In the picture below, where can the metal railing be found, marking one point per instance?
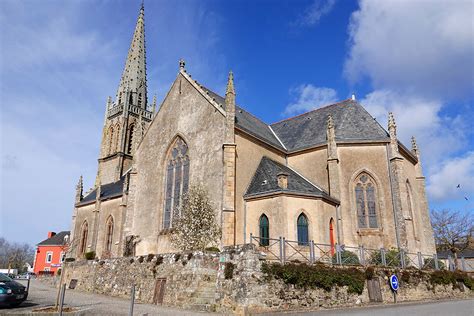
(287, 251)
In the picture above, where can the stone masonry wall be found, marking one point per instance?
(198, 281)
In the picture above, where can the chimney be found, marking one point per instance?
(51, 234)
(283, 180)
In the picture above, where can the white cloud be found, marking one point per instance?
(315, 12)
(444, 181)
(417, 46)
(309, 97)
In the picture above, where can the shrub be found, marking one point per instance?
(159, 260)
(392, 258)
(369, 273)
(347, 257)
(212, 249)
(429, 264)
(89, 255)
(58, 273)
(149, 257)
(451, 277)
(318, 276)
(229, 270)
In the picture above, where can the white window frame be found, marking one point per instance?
(47, 254)
(62, 256)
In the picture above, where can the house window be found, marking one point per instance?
(62, 257)
(109, 234)
(49, 257)
(177, 181)
(302, 224)
(366, 202)
(83, 243)
(264, 231)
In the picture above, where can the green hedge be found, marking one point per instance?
(319, 276)
(347, 257)
(452, 277)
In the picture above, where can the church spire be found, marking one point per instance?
(133, 78)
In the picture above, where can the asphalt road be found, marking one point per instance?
(438, 308)
(44, 295)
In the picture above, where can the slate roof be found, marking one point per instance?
(352, 123)
(249, 123)
(265, 181)
(107, 191)
(56, 240)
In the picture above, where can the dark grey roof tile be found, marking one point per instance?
(56, 240)
(265, 181)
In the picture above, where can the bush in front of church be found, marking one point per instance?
(347, 257)
(196, 227)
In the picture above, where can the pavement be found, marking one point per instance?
(42, 294)
(434, 308)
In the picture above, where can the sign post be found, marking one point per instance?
(394, 286)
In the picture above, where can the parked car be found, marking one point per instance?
(12, 293)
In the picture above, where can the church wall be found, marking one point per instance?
(312, 164)
(202, 127)
(84, 213)
(354, 159)
(420, 232)
(116, 210)
(249, 154)
(283, 212)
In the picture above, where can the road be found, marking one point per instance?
(44, 295)
(438, 308)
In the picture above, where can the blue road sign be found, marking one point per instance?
(394, 282)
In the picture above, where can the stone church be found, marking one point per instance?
(333, 175)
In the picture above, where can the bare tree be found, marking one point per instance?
(452, 231)
(196, 227)
(15, 256)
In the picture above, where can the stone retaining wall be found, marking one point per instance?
(197, 281)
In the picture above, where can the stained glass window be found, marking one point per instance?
(302, 224)
(264, 230)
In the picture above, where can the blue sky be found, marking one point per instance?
(60, 60)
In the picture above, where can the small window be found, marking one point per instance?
(264, 231)
(302, 230)
(49, 257)
(62, 257)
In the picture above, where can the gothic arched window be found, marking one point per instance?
(264, 228)
(111, 140)
(177, 180)
(109, 229)
(83, 240)
(117, 136)
(131, 130)
(302, 224)
(366, 201)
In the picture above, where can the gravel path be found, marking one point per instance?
(43, 295)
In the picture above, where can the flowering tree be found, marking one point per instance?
(196, 227)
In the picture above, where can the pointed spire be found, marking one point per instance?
(230, 84)
(414, 147)
(392, 130)
(230, 94)
(79, 190)
(182, 63)
(331, 138)
(391, 124)
(134, 74)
